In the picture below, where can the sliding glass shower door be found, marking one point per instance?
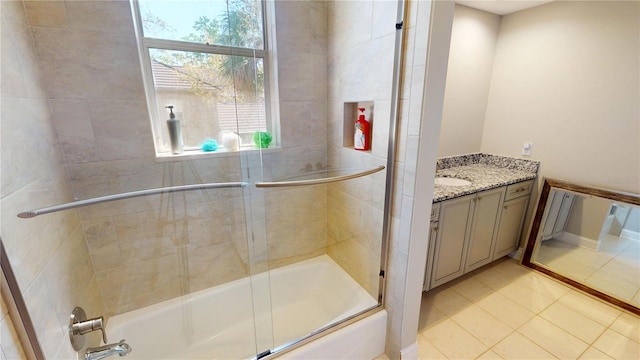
(319, 206)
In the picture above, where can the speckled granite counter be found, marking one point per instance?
(485, 172)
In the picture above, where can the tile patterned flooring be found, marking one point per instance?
(507, 311)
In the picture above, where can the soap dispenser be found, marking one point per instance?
(175, 133)
(361, 136)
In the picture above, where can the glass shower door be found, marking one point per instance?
(321, 205)
(257, 251)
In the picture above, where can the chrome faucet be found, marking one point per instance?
(79, 326)
(121, 348)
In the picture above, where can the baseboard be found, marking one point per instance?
(578, 240)
(516, 254)
(410, 352)
(631, 235)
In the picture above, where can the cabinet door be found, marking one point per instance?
(510, 226)
(433, 234)
(484, 227)
(563, 214)
(448, 262)
(553, 209)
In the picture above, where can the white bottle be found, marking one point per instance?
(230, 141)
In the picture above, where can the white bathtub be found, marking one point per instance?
(218, 323)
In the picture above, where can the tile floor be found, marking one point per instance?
(507, 311)
(614, 268)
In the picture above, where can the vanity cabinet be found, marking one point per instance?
(487, 208)
(511, 221)
(557, 215)
(433, 233)
(473, 230)
(467, 227)
(451, 239)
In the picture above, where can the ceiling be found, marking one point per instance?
(502, 7)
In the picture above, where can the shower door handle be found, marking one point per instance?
(319, 181)
(128, 195)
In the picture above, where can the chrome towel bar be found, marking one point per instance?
(180, 188)
(318, 181)
(128, 195)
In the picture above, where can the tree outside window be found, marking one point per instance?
(207, 59)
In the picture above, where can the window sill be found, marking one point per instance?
(199, 154)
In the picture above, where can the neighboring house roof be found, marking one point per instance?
(252, 115)
(173, 77)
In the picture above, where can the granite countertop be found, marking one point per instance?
(484, 171)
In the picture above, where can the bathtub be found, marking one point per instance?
(219, 322)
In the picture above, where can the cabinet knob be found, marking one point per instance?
(506, 206)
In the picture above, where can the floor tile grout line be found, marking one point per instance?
(488, 347)
(539, 314)
(555, 300)
(434, 345)
(598, 338)
(512, 330)
(618, 332)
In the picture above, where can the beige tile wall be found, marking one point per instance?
(416, 25)
(361, 66)
(10, 347)
(357, 60)
(168, 245)
(48, 254)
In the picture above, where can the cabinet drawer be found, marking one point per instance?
(518, 189)
(435, 211)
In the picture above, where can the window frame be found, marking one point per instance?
(147, 43)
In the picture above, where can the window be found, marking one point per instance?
(208, 59)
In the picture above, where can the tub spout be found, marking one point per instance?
(101, 352)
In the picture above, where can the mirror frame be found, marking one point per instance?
(630, 198)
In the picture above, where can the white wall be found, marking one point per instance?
(633, 221)
(566, 77)
(587, 216)
(473, 41)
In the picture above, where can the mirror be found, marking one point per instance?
(589, 238)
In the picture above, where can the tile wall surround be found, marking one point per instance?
(98, 106)
(48, 254)
(417, 24)
(355, 217)
(11, 347)
(100, 117)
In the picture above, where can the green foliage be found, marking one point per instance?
(240, 26)
(207, 31)
(262, 139)
(219, 77)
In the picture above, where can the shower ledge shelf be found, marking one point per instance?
(199, 154)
